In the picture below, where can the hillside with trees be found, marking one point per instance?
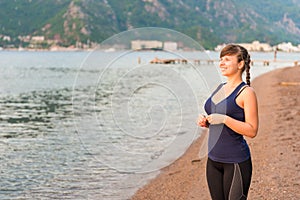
(83, 22)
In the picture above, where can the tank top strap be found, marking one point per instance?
(237, 90)
(217, 89)
(241, 90)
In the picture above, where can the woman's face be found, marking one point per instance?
(229, 65)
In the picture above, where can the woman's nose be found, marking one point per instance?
(221, 62)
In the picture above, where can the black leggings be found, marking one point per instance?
(228, 181)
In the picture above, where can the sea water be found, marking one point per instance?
(98, 125)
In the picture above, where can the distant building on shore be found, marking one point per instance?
(38, 38)
(146, 44)
(154, 44)
(170, 46)
(257, 46)
(288, 47)
(6, 38)
(254, 46)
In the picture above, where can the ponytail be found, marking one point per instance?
(247, 68)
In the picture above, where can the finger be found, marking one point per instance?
(209, 119)
(200, 117)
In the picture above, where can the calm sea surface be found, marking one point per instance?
(98, 125)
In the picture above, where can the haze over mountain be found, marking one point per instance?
(210, 22)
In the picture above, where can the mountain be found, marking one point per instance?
(210, 22)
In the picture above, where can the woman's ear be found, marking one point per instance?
(241, 64)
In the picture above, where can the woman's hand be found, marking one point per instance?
(202, 121)
(216, 118)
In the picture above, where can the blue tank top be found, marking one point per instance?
(225, 145)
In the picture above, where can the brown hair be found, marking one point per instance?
(242, 55)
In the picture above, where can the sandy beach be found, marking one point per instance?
(275, 150)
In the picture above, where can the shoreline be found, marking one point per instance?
(275, 150)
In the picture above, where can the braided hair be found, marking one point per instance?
(242, 55)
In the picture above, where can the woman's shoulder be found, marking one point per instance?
(248, 91)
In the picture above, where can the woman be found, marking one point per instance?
(232, 113)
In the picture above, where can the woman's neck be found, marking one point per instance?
(233, 82)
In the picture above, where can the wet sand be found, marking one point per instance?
(275, 150)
